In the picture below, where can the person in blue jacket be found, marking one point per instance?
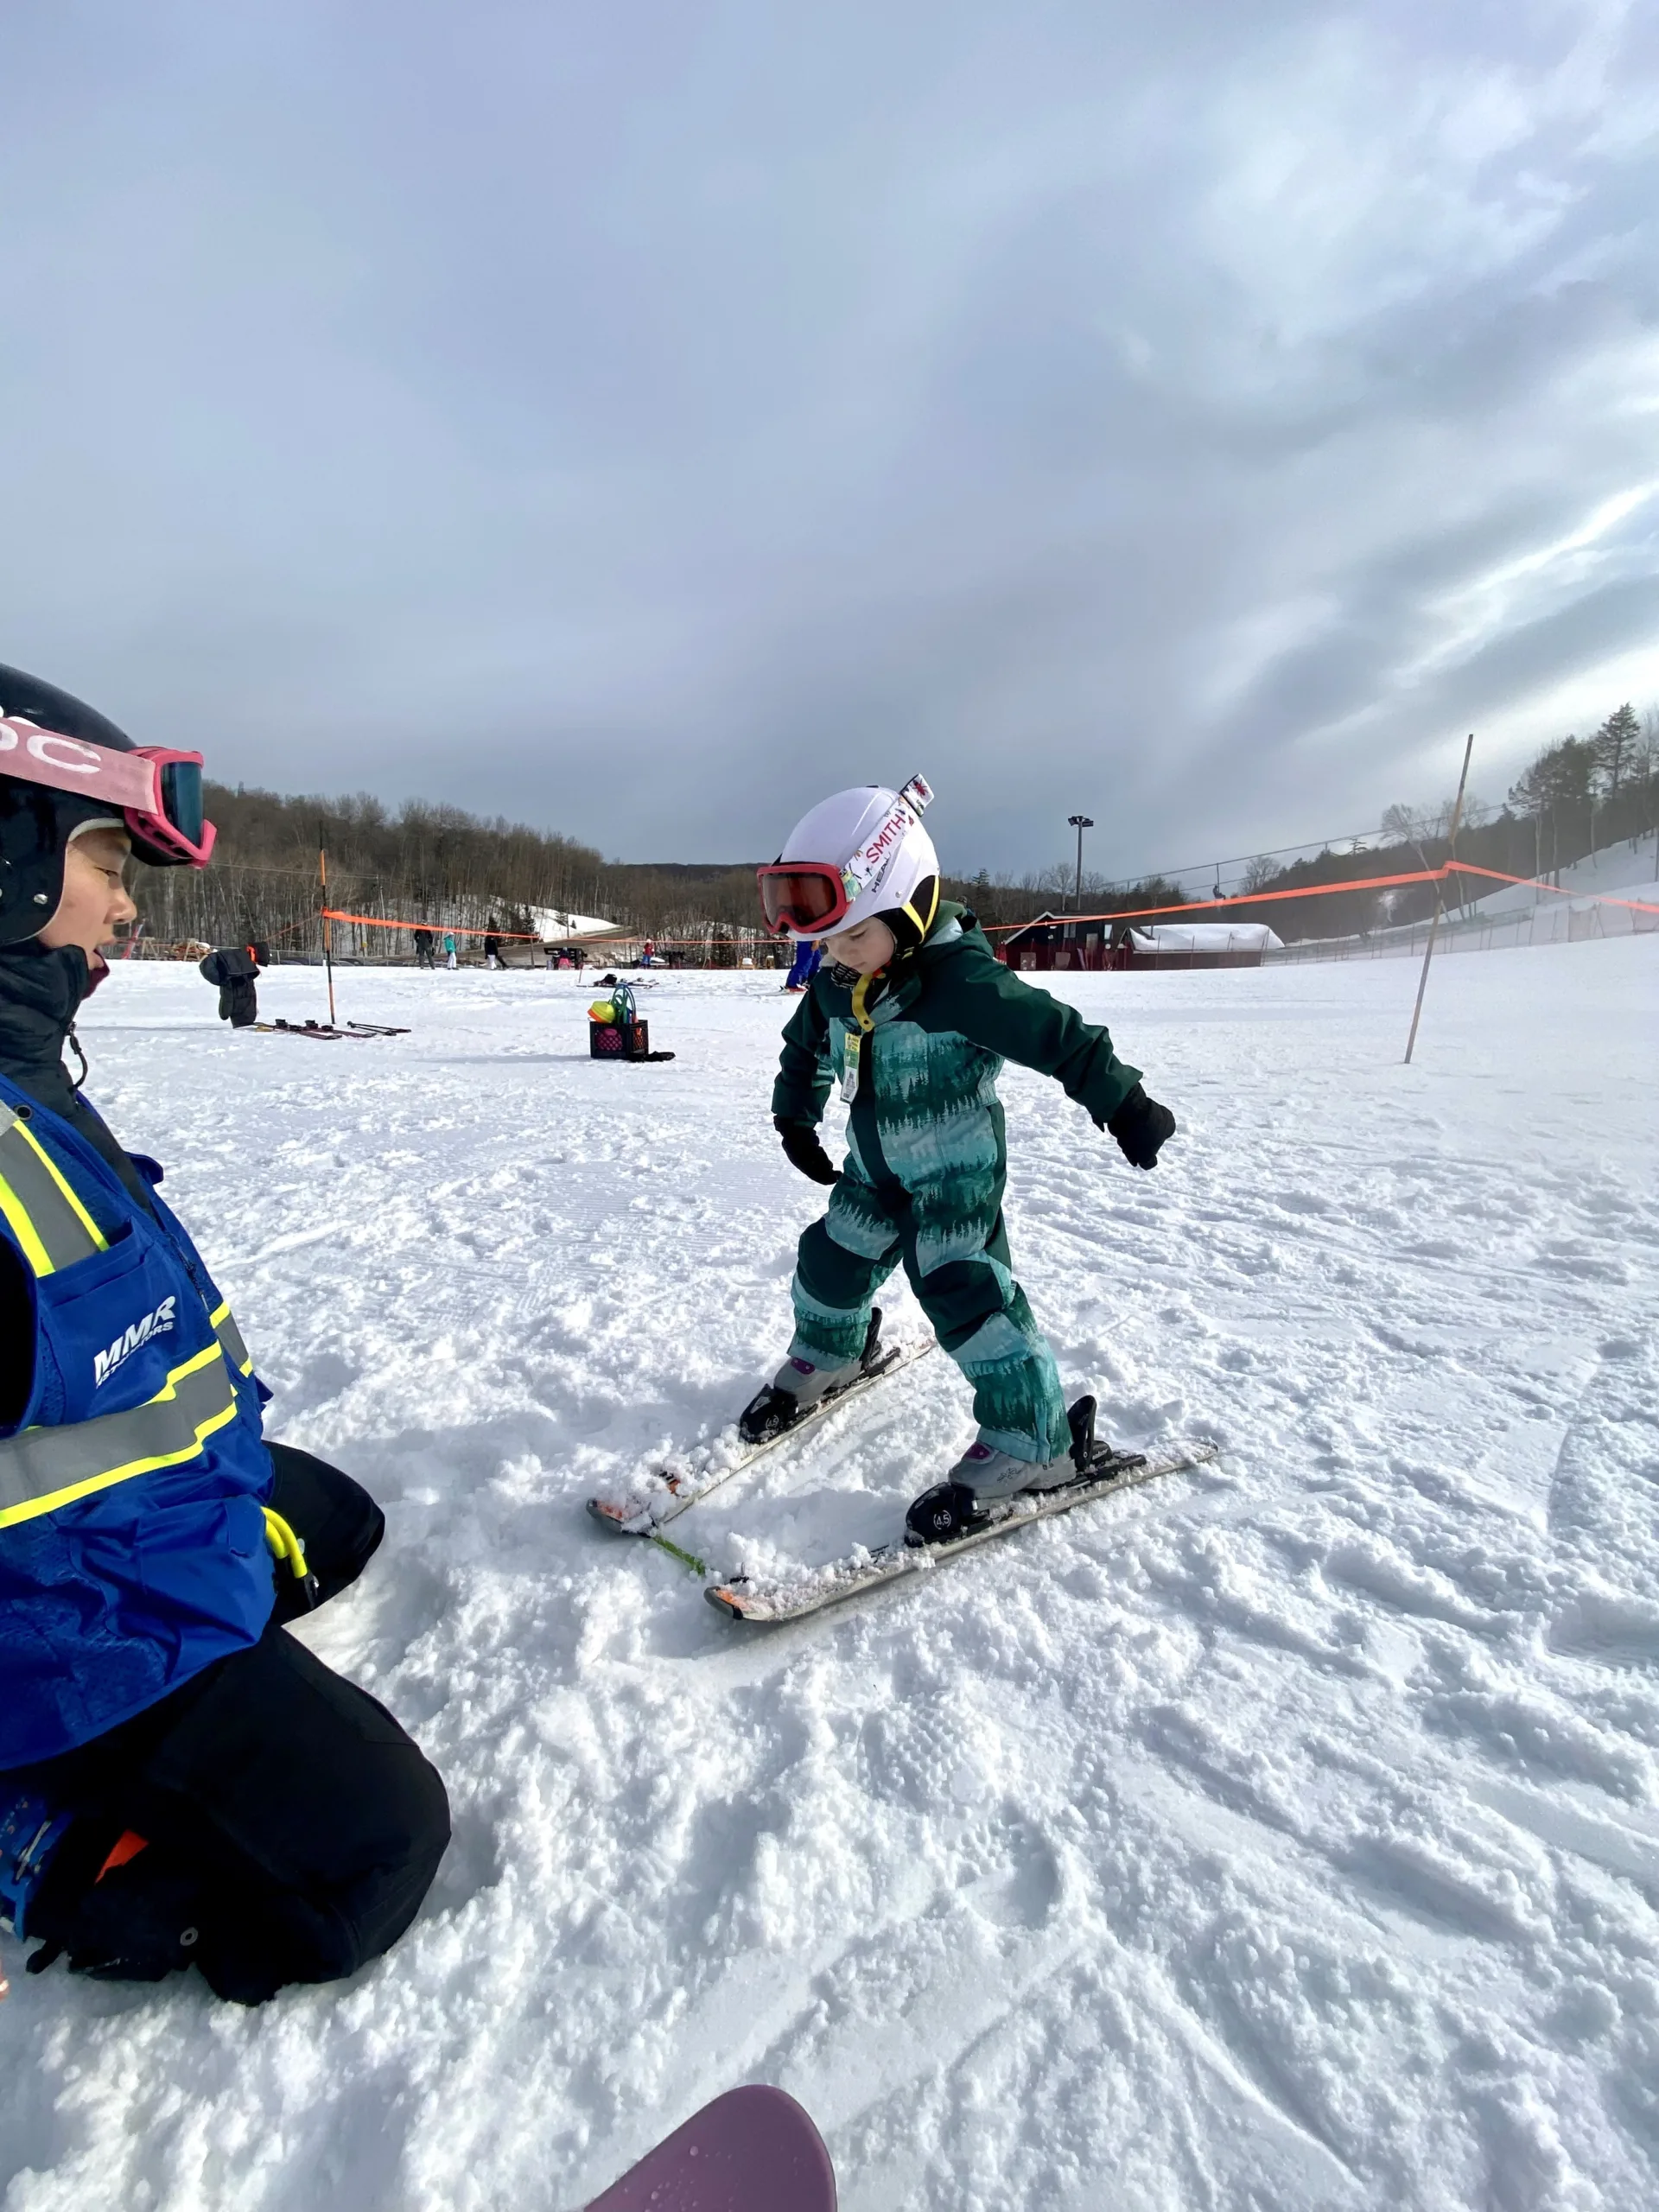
(809, 958)
(181, 1782)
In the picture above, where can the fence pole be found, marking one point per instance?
(327, 934)
(1434, 919)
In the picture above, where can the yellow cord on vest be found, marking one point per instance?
(285, 1544)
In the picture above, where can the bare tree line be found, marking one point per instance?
(448, 868)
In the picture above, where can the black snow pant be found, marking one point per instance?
(238, 1002)
(290, 1828)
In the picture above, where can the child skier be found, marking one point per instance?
(913, 1020)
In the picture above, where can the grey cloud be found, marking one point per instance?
(641, 418)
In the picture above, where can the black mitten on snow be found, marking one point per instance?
(1141, 1125)
(803, 1150)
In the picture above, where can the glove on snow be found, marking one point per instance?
(1141, 1125)
(803, 1150)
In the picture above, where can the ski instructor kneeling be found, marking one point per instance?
(180, 1782)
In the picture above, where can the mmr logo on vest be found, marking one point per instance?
(106, 1362)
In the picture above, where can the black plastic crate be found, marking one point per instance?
(618, 1040)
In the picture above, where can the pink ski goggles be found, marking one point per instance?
(155, 790)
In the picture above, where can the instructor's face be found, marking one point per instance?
(94, 900)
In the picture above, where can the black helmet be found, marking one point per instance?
(38, 816)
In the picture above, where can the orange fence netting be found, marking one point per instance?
(1326, 890)
(1259, 898)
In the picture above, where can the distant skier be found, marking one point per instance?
(809, 958)
(181, 1783)
(492, 946)
(449, 949)
(914, 1020)
(235, 970)
(425, 948)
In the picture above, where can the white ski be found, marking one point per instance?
(666, 1492)
(792, 1599)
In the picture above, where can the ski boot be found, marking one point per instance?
(30, 1833)
(798, 1386)
(984, 1476)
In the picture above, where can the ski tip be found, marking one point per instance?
(725, 1599)
(613, 1513)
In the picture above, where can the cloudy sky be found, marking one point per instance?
(641, 417)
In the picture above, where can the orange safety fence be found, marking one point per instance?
(618, 936)
(1319, 891)
(434, 929)
(1601, 898)
(1001, 929)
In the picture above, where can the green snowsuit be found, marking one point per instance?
(927, 1161)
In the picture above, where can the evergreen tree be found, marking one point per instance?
(1616, 744)
(1562, 777)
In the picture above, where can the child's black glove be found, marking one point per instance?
(803, 1150)
(1141, 1125)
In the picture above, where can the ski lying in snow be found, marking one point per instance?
(666, 1492)
(299, 1029)
(761, 1599)
(753, 2150)
(375, 1029)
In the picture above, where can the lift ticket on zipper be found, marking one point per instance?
(852, 1045)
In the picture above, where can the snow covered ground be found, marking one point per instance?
(1283, 1836)
(1628, 869)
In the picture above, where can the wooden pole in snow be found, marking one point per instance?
(1434, 923)
(329, 940)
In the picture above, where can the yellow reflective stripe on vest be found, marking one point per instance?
(230, 1336)
(40, 1209)
(44, 1468)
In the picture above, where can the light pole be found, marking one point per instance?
(1080, 823)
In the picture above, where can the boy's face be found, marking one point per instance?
(865, 949)
(94, 896)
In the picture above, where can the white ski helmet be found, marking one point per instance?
(858, 855)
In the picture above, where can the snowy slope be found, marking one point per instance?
(1286, 1836)
(1628, 869)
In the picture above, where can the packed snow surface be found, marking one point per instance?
(1282, 1835)
(1628, 869)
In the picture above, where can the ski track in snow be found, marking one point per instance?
(1283, 1835)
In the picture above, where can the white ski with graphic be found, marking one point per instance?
(662, 1493)
(762, 1600)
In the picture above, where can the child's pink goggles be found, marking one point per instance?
(806, 896)
(156, 791)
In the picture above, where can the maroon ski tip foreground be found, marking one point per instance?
(753, 2150)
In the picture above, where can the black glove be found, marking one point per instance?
(803, 1150)
(1141, 1125)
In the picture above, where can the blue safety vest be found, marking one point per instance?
(133, 1547)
